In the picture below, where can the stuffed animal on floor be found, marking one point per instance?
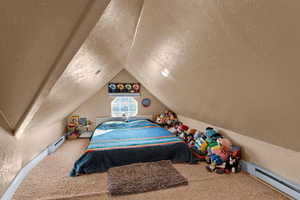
(224, 158)
(209, 132)
(198, 134)
(216, 164)
(225, 143)
(232, 163)
(190, 137)
(201, 145)
(182, 132)
(211, 144)
(223, 155)
(192, 131)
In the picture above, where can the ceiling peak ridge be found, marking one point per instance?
(137, 25)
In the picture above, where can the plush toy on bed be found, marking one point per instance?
(174, 129)
(162, 117)
(158, 119)
(171, 120)
(177, 124)
(167, 119)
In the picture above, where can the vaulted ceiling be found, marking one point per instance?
(38, 40)
(99, 59)
(232, 63)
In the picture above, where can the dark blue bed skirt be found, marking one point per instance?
(101, 161)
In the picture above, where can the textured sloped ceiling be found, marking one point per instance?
(234, 64)
(98, 60)
(33, 34)
(37, 40)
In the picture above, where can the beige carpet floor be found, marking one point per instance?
(49, 180)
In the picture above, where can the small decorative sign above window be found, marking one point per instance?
(124, 89)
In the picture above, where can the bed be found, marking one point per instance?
(116, 143)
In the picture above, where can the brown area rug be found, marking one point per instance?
(143, 177)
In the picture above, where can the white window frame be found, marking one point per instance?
(123, 103)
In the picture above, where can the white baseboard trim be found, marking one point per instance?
(278, 182)
(28, 167)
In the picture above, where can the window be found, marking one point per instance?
(124, 106)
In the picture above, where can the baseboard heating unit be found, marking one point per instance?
(283, 185)
(52, 148)
(8, 194)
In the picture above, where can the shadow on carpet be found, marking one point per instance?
(143, 177)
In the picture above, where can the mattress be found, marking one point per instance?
(117, 143)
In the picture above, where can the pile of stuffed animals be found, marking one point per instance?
(222, 156)
(210, 146)
(167, 119)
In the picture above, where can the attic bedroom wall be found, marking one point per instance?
(99, 104)
(233, 64)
